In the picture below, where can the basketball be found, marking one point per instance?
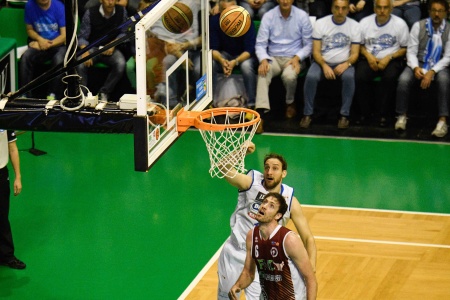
(235, 21)
(178, 18)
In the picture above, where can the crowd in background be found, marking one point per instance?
(400, 44)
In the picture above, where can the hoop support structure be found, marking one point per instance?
(186, 119)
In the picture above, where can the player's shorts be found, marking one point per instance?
(231, 263)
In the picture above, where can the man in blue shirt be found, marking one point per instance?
(231, 52)
(46, 28)
(283, 44)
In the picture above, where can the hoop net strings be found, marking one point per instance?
(227, 148)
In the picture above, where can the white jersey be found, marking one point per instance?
(336, 38)
(6, 137)
(243, 217)
(386, 39)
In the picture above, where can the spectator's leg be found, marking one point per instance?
(404, 87)
(313, 77)
(28, 62)
(262, 87)
(386, 91)
(57, 86)
(412, 14)
(249, 70)
(289, 78)
(348, 90)
(363, 87)
(116, 63)
(442, 80)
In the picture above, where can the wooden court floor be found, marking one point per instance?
(90, 227)
(369, 254)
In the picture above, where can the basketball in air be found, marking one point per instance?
(235, 21)
(178, 18)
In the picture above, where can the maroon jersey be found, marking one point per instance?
(279, 278)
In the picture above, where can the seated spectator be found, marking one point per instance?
(360, 9)
(46, 28)
(315, 8)
(383, 47)
(257, 8)
(283, 45)
(96, 23)
(230, 53)
(336, 43)
(428, 58)
(409, 10)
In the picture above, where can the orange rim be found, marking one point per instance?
(220, 111)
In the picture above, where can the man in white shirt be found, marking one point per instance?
(336, 42)
(428, 59)
(384, 38)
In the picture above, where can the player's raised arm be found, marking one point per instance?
(236, 179)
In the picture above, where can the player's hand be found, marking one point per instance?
(250, 147)
(232, 293)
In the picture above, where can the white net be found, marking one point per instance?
(227, 147)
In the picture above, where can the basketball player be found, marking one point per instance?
(252, 187)
(8, 147)
(283, 266)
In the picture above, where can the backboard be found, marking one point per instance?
(172, 74)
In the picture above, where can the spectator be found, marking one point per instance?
(315, 8)
(96, 23)
(409, 10)
(229, 53)
(257, 8)
(46, 28)
(282, 46)
(428, 58)
(384, 38)
(335, 49)
(360, 9)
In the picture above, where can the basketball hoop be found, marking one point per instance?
(227, 132)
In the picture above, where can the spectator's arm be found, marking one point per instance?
(85, 30)
(413, 47)
(61, 38)
(262, 39)
(444, 62)
(307, 42)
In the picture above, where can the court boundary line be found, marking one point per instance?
(357, 138)
(377, 210)
(216, 255)
(381, 242)
(202, 273)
